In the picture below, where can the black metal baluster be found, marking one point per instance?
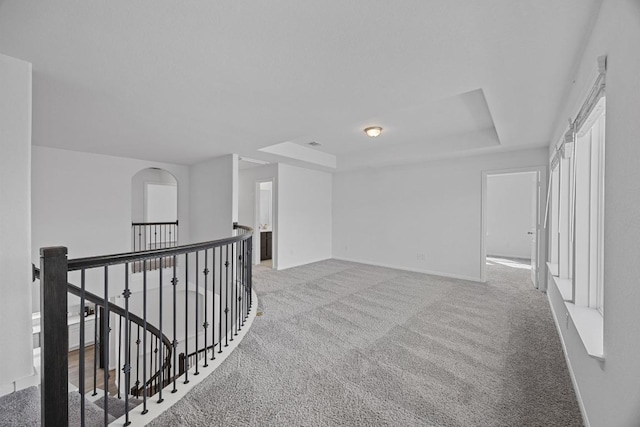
(82, 344)
(220, 308)
(205, 325)
(95, 349)
(241, 283)
(144, 337)
(161, 367)
(246, 263)
(213, 304)
(226, 297)
(249, 273)
(250, 278)
(248, 260)
(154, 382)
(127, 362)
(105, 344)
(232, 297)
(138, 362)
(245, 260)
(119, 352)
(174, 282)
(197, 323)
(236, 284)
(234, 273)
(242, 298)
(186, 318)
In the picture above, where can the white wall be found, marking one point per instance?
(304, 216)
(610, 390)
(510, 214)
(393, 216)
(83, 201)
(155, 176)
(247, 204)
(212, 198)
(15, 224)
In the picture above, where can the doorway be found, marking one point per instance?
(265, 223)
(154, 210)
(512, 233)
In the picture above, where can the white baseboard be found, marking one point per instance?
(415, 270)
(20, 384)
(506, 255)
(583, 410)
(279, 268)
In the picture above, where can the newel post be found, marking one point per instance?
(54, 344)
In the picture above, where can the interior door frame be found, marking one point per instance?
(256, 223)
(541, 238)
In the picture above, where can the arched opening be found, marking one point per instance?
(154, 210)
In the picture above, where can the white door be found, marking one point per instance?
(535, 194)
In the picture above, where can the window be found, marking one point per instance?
(588, 203)
(577, 212)
(576, 218)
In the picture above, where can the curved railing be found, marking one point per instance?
(203, 294)
(150, 386)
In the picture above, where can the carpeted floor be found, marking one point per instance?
(348, 344)
(22, 409)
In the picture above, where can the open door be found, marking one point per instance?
(511, 222)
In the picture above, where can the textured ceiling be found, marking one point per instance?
(182, 81)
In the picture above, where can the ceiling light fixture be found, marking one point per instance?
(373, 131)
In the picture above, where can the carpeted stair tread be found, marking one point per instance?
(116, 406)
(22, 409)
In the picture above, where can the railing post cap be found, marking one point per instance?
(52, 251)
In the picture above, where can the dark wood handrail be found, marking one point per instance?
(113, 308)
(105, 260)
(154, 223)
(116, 309)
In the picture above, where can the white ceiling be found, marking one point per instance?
(182, 81)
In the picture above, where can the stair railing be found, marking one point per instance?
(204, 294)
(146, 236)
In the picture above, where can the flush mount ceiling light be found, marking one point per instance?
(373, 131)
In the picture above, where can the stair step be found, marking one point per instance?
(116, 406)
(22, 408)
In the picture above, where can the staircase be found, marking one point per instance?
(138, 339)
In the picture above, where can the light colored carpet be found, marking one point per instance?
(341, 343)
(22, 409)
